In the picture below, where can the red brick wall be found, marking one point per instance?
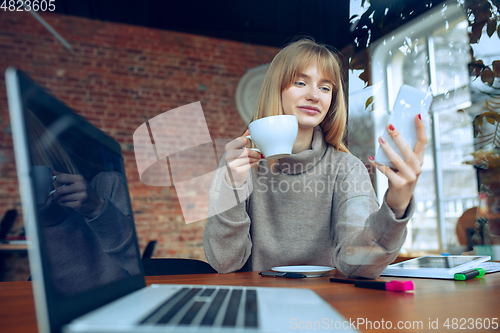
(118, 76)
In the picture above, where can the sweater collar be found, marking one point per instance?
(305, 160)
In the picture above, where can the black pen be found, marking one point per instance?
(381, 285)
(282, 274)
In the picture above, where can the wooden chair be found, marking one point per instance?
(465, 226)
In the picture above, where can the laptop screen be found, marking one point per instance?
(76, 205)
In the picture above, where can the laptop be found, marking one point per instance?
(84, 255)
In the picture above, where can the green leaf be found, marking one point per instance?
(476, 32)
(479, 123)
(369, 101)
(491, 27)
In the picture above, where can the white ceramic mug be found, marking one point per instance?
(274, 136)
(42, 181)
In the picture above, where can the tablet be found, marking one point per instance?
(437, 267)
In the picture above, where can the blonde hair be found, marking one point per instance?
(285, 68)
(45, 149)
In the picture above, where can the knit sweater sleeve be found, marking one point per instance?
(367, 238)
(227, 242)
(113, 226)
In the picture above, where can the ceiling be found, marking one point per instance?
(263, 22)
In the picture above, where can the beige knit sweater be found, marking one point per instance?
(317, 207)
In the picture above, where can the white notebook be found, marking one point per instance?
(436, 267)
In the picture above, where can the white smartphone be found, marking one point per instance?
(409, 103)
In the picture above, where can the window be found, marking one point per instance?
(431, 53)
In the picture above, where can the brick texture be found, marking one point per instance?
(119, 76)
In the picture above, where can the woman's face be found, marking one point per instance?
(308, 98)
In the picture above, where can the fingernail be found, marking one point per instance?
(371, 158)
(382, 140)
(391, 127)
(419, 116)
(52, 192)
(262, 156)
(54, 178)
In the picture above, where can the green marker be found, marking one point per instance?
(471, 273)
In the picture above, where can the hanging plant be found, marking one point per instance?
(492, 116)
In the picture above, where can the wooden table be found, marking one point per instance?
(16, 247)
(6, 249)
(433, 302)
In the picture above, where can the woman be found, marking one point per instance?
(317, 206)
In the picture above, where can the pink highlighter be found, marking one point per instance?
(381, 285)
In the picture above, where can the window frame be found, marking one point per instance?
(385, 94)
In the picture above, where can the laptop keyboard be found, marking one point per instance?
(210, 307)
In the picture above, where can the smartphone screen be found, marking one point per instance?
(409, 103)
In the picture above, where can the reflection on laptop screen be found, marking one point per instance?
(78, 191)
(84, 214)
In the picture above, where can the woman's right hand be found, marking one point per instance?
(74, 192)
(239, 159)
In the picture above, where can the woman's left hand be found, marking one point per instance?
(404, 176)
(74, 192)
